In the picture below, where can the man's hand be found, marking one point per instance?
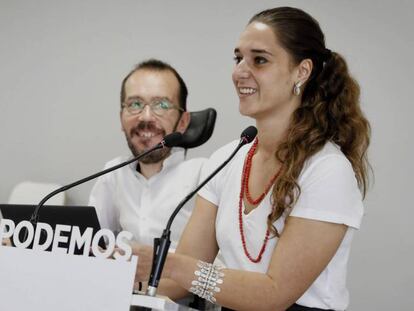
(6, 242)
(144, 254)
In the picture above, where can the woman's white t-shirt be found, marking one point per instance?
(329, 192)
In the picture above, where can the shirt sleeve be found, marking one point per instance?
(212, 190)
(101, 197)
(329, 192)
(209, 192)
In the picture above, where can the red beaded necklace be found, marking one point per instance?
(244, 189)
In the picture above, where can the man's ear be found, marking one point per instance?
(120, 119)
(304, 70)
(183, 122)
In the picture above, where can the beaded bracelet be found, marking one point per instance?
(207, 281)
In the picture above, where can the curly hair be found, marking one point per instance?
(329, 108)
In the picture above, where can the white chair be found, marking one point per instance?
(28, 192)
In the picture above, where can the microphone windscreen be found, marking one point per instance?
(249, 134)
(173, 139)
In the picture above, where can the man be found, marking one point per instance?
(141, 196)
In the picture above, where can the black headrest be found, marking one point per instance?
(200, 128)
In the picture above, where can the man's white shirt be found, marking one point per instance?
(125, 200)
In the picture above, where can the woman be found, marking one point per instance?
(283, 212)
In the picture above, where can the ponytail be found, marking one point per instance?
(334, 97)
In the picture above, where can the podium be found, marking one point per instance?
(156, 303)
(40, 280)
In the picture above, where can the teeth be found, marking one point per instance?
(247, 90)
(147, 134)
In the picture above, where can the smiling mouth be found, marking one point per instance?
(147, 135)
(245, 91)
(146, 131)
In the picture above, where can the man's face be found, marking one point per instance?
(146, 129)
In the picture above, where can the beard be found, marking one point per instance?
(155, 156)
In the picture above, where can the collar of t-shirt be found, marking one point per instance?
(177, 156)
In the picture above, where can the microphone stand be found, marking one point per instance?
(162, 244)
(168, 141)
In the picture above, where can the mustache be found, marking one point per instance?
(147, 125)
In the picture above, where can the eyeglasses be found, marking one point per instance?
(159, 106)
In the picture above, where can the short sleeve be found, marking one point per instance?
(329, 192)
(101, 197)
(212, 190)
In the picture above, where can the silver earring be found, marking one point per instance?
(296, 88)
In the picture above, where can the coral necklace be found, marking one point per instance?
(244, 189)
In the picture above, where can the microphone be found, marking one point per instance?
(249, 134)
(162, 244)
(170, 140)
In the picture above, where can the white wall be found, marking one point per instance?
(62, 62)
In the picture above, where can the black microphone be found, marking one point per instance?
(162, 244)
(249, 134)
(169, 140)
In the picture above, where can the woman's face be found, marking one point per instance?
(264, 75)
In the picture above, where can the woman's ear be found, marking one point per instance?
(304, 70)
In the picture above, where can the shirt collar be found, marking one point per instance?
(177, 155)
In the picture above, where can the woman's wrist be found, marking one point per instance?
(169, 266)
(178, 265)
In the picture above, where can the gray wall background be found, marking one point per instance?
(62, 62)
